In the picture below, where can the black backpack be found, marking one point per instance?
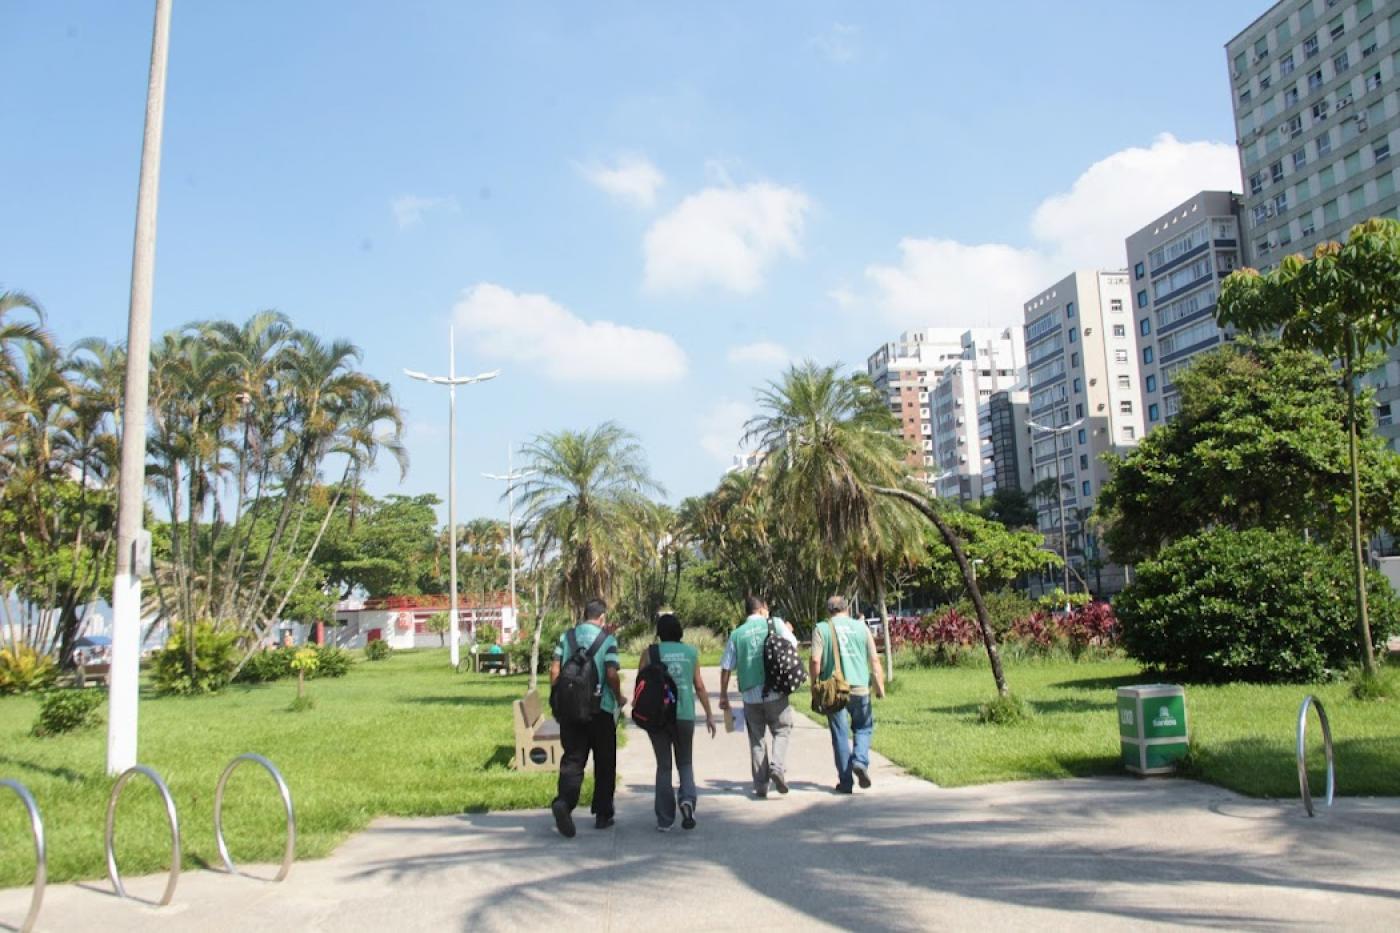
(654, 696)
(577, 694)
(782, 667)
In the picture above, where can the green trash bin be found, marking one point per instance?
(1152, 727)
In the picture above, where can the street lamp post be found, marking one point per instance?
(131, 480)
(1059, 492)
(509, 477)
(452, 381)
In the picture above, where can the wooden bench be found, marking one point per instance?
(537, 745)
(489, 661)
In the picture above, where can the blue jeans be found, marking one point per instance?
(857, 716)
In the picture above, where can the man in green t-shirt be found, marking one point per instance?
(764, 711)
(860, 665)
(682, 662)
(599, 735)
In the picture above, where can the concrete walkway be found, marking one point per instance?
(905, 855)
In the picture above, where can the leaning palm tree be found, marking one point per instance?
(829, 451)
(581, 505)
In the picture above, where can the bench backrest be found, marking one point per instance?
(527, 711)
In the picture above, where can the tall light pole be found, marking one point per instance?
(131, 481)
(452, 381)
(510, 476)
(1059, 492)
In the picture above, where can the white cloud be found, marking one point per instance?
(537, 330)
(409, 208)
(1119, 195)
(724, 236)
(943, 282)
(764, 352)
(721, 428)
(632, 178)
(839, 43)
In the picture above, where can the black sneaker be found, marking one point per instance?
(603, 822)
(779, 783)
(563, 819)
(842, 790)
(687, 816)
(862, 776)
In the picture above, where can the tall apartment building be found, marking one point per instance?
(992, 360)
(1001, 424)
(1317, 115)
(903, 371)
(1083, 374)
(1176, 264)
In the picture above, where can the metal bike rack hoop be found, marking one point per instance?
(290, 851)
(1303, 785)
(41, 869)
(170, 816)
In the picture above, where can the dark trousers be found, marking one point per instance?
(599, 736)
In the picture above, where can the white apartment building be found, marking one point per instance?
(992, 361)
(1177, 263)
(903, 372)
(1316, 93)
(1083, 376)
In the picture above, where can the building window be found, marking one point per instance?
(1139, 271)
(1256, 185)
(1319, 111)
(1125, 407)
(1085, 487)
(1245, 95)
(1336, 29)
(1324, 144)
(1291, 127)
(1153, 412)
(1281, 202)
(1310, 46)
(1152, 383)
(1265, 80)
(1290, 97)
(1145, 326)
(1147, 354)
(1125, 381)
(1261, 48)
(1128, 432)
(1120, 356)
(1082, 436)
(1261, 214)
(1073, 334)
(1368, 43)
(1363, 9)
(1276, 171)
(1142, 298)
(1074, 361)
(1119, 330)
(1341, 62)
(1078, 384)
(1300, 158)
(1373, 81)
(1285, 64)
(1308, 228)
(1115, 305)
(1083, 461)
(1069, 309)
(1380, 150)
(1079, 410)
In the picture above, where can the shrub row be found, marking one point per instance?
(216, 654)
(948, 637)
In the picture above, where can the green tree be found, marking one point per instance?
(1010, 506)
(438, 623)
(1342, 303)
(582, 504)
(1260, 442)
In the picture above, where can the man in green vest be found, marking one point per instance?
(763, 711)
(860, 665)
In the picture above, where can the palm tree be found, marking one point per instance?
(15, 333)
(830, 450)
(581, 504)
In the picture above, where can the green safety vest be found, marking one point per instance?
(855, 664)
(748, 650)
(680, 661)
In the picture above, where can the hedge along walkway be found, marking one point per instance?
(1116, 852)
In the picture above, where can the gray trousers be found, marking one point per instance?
(664, 744)
(773, 716)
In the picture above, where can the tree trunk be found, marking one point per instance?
(884, 609)
(984, 621)
(535, 643)
(1368, 653)
(301, 684)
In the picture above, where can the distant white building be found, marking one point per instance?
(992, 361)
(402, 621)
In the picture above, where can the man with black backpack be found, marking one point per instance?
(766, 706)
(586, 696)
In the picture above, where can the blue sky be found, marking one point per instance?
(638, 211)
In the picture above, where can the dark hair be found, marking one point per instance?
(836, 605)
(752, 604)
(594, 610)
(668, 627)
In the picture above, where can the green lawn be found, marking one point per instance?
(404, 736)
(1243, 735)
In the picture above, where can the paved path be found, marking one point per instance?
(1112, 852)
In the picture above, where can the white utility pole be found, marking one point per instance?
(131, 482)
(452, 381)
(510, 477)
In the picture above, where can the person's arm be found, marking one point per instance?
(877, 671)
(614, 678)
(723, 689)
(553, 672)
(727, 663)
(814, 663)
(703, 696)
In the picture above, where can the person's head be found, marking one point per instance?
(836, 605)
(755, 605)
(596, 612)
(668, 627)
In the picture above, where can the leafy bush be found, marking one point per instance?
(378, 650)
(487, 634)
(1090, 626)
(1004, 609)
(330, 662)
(1253, 605)
(1056, 599)
(68, 711)
(266, 666)
(301, 704)
(1004, 711)
(519, 650)
(23, 669)
(1372, 687)
(703, 639)
(215, 656)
